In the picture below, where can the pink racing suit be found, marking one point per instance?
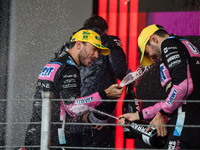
(178, 74)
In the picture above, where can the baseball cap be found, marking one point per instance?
(142, 41)
(87, 35)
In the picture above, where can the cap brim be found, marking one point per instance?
(102, 49)
(104, 52)
(145, 60)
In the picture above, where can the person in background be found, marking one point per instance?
(101, 73)
(179, 74)
(61, 76)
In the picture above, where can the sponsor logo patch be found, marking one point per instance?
(71, 62)
(65, 86)
(174, 145)
(163, 77)
(197, 63)
(167, 55)
(146, 113)
(193, 48)
(172, 97)
(174, 63)
(173, 57)
(46, 71)
(166, 49)
(84, 100)
(70, 76)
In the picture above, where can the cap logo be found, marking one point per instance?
(97, 38)
(91, 37)
(85, 37)
(73, 39)
(98, 45)
(86, 33)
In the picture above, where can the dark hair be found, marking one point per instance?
(71, 44)
(161, 32)
(96, 22)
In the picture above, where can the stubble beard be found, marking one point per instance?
(83, 57)
(157, 52)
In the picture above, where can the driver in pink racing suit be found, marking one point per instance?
(61, 76)
(179, 74)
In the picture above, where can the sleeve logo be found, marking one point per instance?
(163, 77)
(172, 97)
(84, 100)
(193, 48)
(46, 71)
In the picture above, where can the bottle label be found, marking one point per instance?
(146, 139)
(141, 128)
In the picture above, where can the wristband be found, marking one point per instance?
(163, 112)
(103, 95)
(141, 115)
(93, 119)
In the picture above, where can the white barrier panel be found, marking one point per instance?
(46, 120)
(46, 123)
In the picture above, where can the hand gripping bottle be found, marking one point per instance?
(138, 129)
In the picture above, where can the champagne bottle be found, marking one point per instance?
(138, 129)
(129, 107)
